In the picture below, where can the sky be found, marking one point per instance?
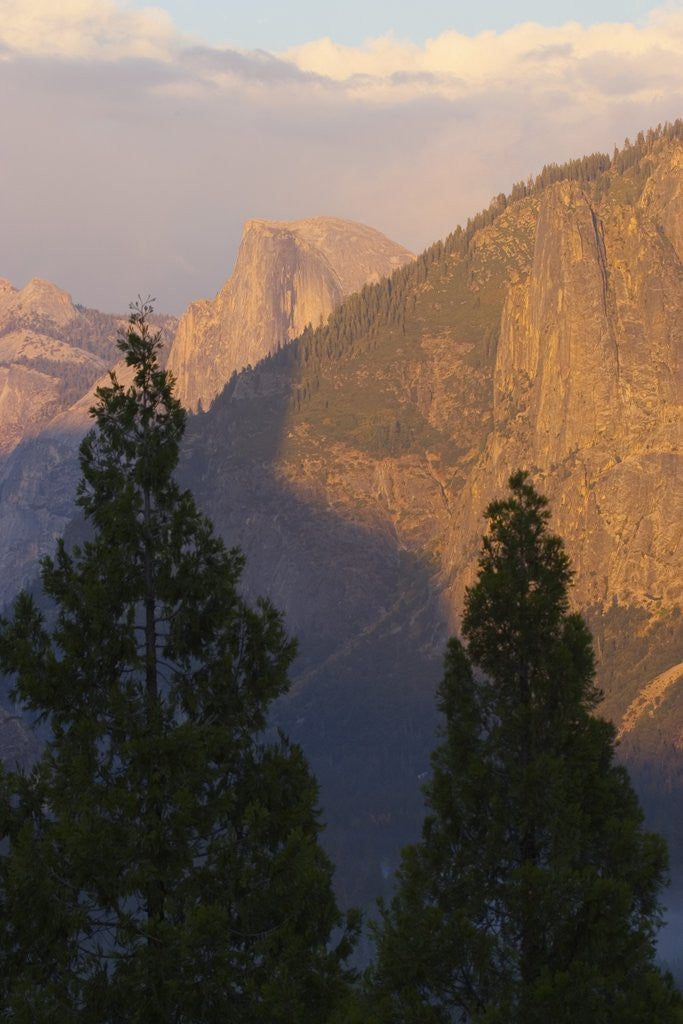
(279, 24)
(138, 138)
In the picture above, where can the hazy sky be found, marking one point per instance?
(137, 139)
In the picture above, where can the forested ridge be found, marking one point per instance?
(385, 304)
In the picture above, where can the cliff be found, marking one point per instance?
(51, 353)
(288, 274)
(37, 363)
(588, 388)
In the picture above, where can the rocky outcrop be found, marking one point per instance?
(662, 197)
(588, 391)
(52, 356)
(51, 353)
(38, 481)
(39, 303)
(288, 274)
(43, 366)
(27, 400)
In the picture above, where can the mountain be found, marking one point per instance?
(52, 356)
(288, 274)
(354, 463)
(41, 363)
(51, 353)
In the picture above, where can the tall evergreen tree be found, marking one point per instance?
(161, 862)
(533, 894)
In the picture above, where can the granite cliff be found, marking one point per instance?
(288, 274)
(588, 386)
(51, 354)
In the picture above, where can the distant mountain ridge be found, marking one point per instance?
(37, 365)
(51, 353)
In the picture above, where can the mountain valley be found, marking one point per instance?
(352, 460)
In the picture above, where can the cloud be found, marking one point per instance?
(132, 154)
(454, 65)
(99, 29)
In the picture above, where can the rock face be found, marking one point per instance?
(27, 398)
(50, 353)
(38, 481)
(38, 304)
(588, 389)
(288, 274)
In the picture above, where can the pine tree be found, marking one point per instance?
(533, 895)
(161, 862)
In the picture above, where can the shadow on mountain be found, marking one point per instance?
(366, 614)
(370, 629)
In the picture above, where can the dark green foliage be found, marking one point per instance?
(161, 863)
(533, 895)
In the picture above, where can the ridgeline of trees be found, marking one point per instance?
(74, 379)
(383, 306)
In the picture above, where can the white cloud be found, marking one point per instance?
(90, 29)
(383, 69)
(454, 65)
